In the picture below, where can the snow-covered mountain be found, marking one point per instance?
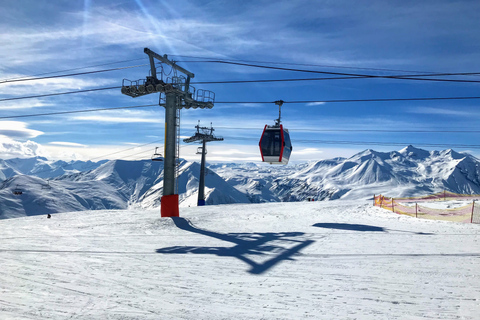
(43, 168)
(120, 184)
(411, 171)
(408, 172)
(116, 184)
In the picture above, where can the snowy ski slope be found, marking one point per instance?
(321, 260)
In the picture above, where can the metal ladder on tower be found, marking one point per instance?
(177, 151)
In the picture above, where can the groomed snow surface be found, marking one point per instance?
(310, 260)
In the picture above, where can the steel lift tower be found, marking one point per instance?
(175, 94)
(206, 135)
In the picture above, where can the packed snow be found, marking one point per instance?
(306, 260)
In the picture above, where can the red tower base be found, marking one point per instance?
(169, 206)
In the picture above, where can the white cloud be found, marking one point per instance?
(10, 148)
(69, 144)
(22, 104)
(131, 143)
(441, 111)
(308, 151)
(311, 104)
(17, 130)
(44, 86)
(115, 119)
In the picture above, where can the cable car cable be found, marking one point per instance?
(102, 156)
(73, 69)
(361, 76)
(76, 111)
(359, 130)
(60, 93)
(254, 102)
(302, 64)
(72, 74)
(350, 100)
(349, 75)
(476, 146)
(204, 82)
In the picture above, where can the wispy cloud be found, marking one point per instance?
(18, 130)
(52, 85)
(308, 151)
(23, 104)
(443, 111)
(114, 119)
(311, 104)
(68, 144)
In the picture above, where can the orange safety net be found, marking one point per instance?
(439, 196)
(468, 214)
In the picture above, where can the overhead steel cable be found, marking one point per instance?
(358, 130)
(350, 100)
(99, 157)
(254, 102)
(59, 93)
(76, 111)
(346, 75)
(117, 152)
(299, 64)
(72, 74)
(272, 80)
(258, 102)
(375, 143)
(361, 76)
(72, 69)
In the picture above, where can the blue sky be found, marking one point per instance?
(368, 37)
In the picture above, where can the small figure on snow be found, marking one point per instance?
(49, 216)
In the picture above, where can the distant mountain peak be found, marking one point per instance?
(454, 154)
(413, 152)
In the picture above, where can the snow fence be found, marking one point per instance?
(469, 213)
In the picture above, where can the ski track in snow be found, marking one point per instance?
(320, 260)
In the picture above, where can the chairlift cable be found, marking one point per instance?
(77, 111)
(252, 102)
(300, 64)
(348, 75)
(361, 76)
(72, 74)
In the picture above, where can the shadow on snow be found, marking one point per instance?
(247, 246)
(350, 227)
(361, 227)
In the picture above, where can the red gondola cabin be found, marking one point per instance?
(275, 145)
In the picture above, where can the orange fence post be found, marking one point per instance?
(374, 200)
(393, 207)
(416, 209)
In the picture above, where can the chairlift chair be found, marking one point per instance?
(157, 156)
(200, 150)
(17, 191)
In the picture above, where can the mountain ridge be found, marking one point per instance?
(119, 184)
